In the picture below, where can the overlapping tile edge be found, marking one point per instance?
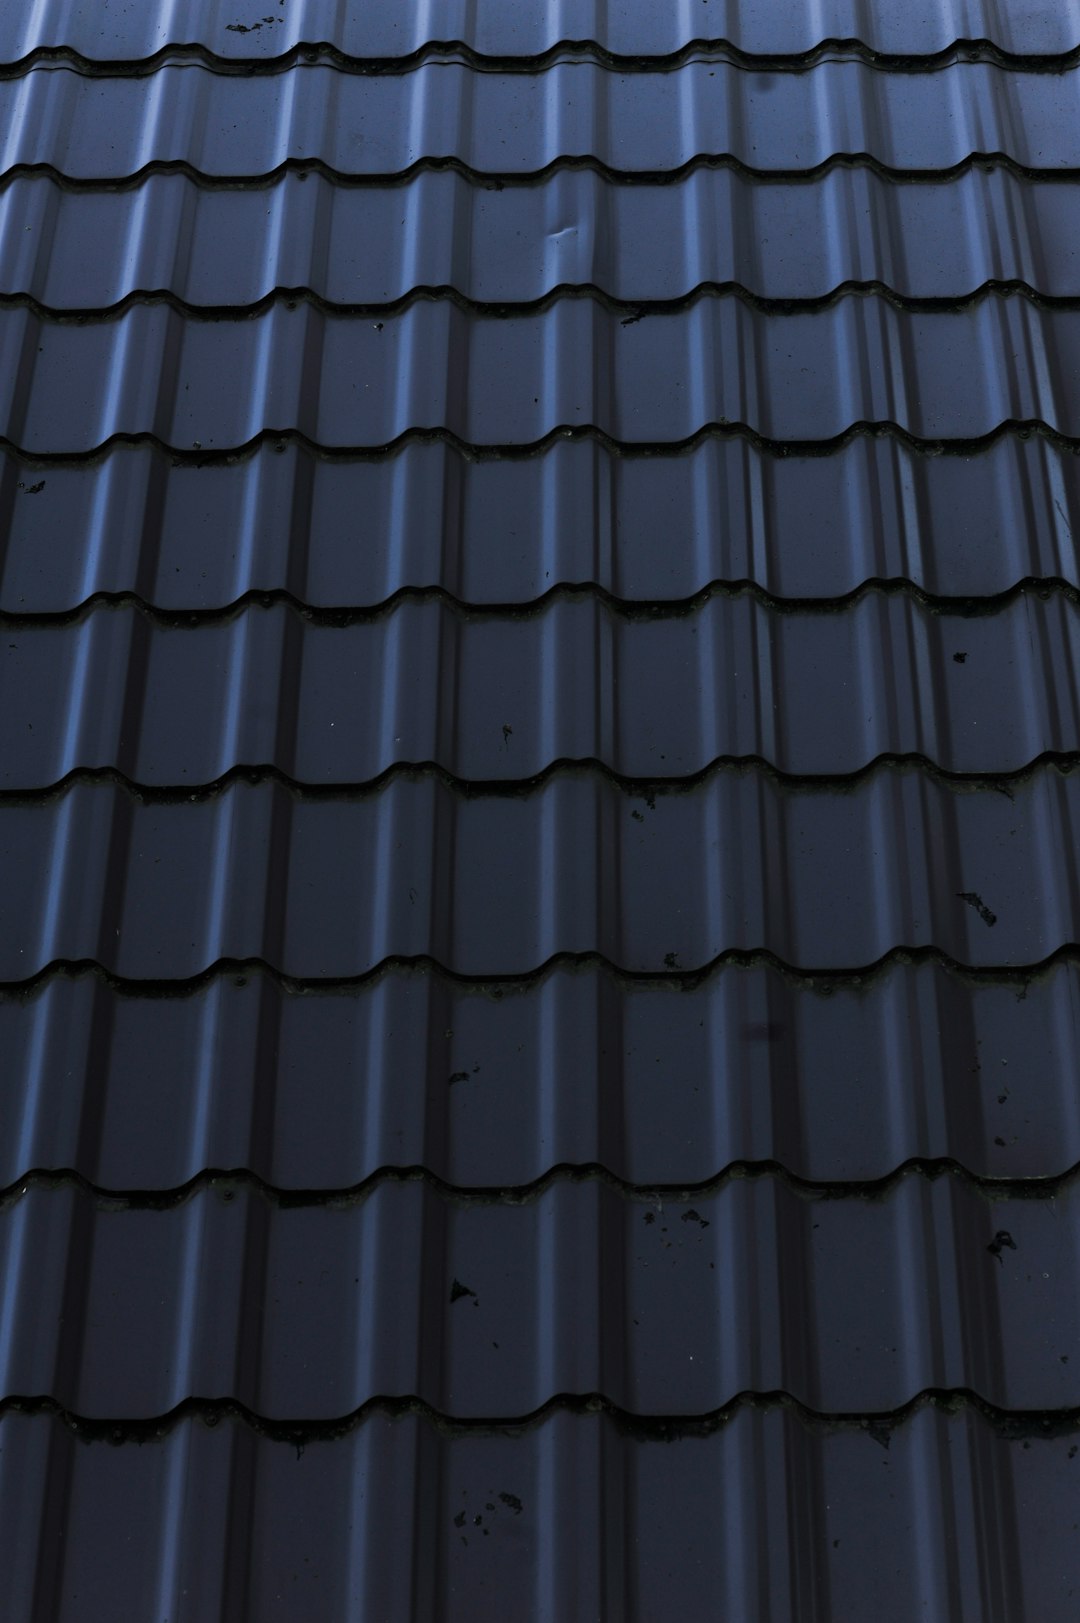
(367, 248)
(403, 1496)
(984, 1417)
(629, 125)
(421, 1071)
(523, 35)
(353, 534)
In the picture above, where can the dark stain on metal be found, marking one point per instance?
(973, 899)
(1002, 1241)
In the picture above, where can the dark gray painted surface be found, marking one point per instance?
(396, 1520)
(108, 30)
(357, 245)
(342, 382)
(499, 885)
(659, 1083)
(665, 1307)
(646, 697)
(494, 123)
(199, 535)
(179, 939)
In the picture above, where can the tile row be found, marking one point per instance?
(664, 1307)
(649, 28)
(941, 1517)
(187, 534)
(70, 388)
(491, 1087)
(499, 884)
(87, 128)
(369, 245)
(506, 697)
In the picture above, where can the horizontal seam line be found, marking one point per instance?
(822, 979)
(502, 179)
(640, 309)
(258, 774)
(1014, 1424)
(647, 610)
(963, 50)
(206, 456)
(224, 1181)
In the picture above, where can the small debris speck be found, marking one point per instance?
(1002, 1241)
(973, 899)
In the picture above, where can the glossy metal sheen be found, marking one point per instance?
(505, 697)
(659, 1083)
(664, 1306)
(485, 380)
(500, 884)
(357, 245)
(396, 1519)
(339, 534)
(108, 30)
(506, 124)
(505, 1095)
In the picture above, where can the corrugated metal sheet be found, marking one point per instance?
(492, 885)
(104, 30)
(506, 1094)
(664, 1082)
(362, 245)
(488, 1310)
(345, 383)
(504, 698)
(764, 1517)
(184, 533)
(504, 124)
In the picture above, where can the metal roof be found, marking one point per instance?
(494, 698)
(841, 1081)
(509, 126)
(330, 886)
(539, 974)
(343, 382)
(356, 244)
(122, 32)
(397, 1518)
(489, 1309)
(185, 532)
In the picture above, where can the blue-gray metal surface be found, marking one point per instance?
(186, 534)
(344, 383)
(664, 1082)
(929, 1515)
(501, 884)
(228, 247)
(503, 697)
(487, 1310)
(118, 31)
(507, 125)
(538, 811)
